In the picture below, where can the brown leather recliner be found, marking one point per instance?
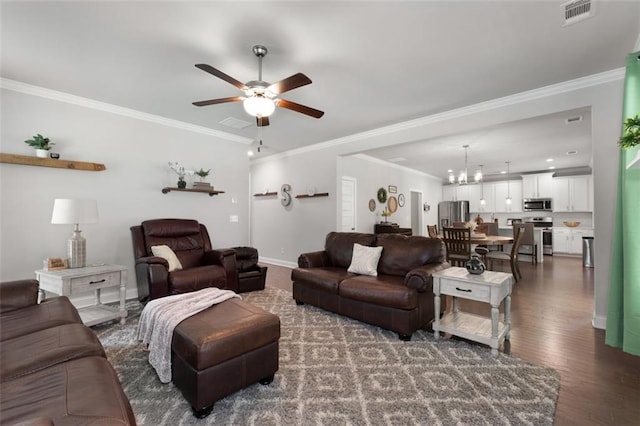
(251, 276)
(202, 266)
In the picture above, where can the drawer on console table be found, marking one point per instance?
(473, 291)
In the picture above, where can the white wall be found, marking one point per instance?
(135, 153)
(372, 174)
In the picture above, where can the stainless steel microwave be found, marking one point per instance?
(536, 205)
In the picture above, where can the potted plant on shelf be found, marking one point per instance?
(181, 172)
(41, 144)
(631, 135)
(202, 184)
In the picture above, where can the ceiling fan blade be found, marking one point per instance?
(262, 121)
(289, 83)
(315, 113)
(211, 70)
(218, 101)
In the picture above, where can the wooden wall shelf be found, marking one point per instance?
(27, 160)
(265, 194)
(321, 194)
(211, 192)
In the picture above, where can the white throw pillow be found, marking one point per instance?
(365, 260)
(166, 253)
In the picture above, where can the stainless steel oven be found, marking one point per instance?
(546, 223)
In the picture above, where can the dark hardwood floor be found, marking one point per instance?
(552, 308)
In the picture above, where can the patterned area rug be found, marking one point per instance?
(338, 371)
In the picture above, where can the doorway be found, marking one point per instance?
(416, 213)
(348, 204)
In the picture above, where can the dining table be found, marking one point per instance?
(491, 240)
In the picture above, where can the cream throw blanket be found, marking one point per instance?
(161, 316)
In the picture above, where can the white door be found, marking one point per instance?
(348, 204)
(416, 213)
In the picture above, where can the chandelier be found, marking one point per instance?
(508, 199)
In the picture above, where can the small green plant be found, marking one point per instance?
(203, 173)
(631, 135)
(39, 142)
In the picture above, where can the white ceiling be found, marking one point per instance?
(372, 64)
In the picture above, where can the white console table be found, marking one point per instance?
(489, 287)
(70, 282)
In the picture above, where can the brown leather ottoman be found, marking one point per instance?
(221, 350)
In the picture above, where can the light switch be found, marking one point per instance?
(233, 218)
(234, 201)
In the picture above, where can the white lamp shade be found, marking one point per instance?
(259, 106)
(66, 211)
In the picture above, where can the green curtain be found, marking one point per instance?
(623, 316)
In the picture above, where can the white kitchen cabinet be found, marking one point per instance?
(501, 190)
(538, 185)
(572, 194)
(569, 240)
(476, 193)
(448, 193)
(462, 192)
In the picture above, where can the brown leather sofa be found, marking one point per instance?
(400, 298)
(202, 266)
(53, 369)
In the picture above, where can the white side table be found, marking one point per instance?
(70, 282)
(490, 287)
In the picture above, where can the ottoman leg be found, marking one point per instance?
(203, 412)
(266, 380)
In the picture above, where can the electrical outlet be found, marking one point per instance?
(233, 218)
(282, 250)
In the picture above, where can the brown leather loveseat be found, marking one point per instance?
(400, 298)
(53, 369)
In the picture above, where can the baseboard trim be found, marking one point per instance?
(278, 262)
(599, 321)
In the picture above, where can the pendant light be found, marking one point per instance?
(462, 179)
(482, 200)
(508, 199)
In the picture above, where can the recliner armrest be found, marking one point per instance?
(314, 259)
(18, 294)
(422, 278)
(227, 259)
(153, 260)
(152, 275)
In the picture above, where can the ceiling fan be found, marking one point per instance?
(261, 98)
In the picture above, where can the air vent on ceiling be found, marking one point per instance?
(235, 123)
(573, 119)
(577, 10)
(397, 159)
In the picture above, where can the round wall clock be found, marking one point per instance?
(372, 205)
(401, 200)
(382, 195)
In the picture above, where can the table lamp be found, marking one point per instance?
(66, 212)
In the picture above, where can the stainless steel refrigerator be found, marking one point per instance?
(452, 211)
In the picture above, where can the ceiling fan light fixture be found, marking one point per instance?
(259, 106)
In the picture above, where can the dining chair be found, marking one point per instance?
(528, 240)
(432, 231)
(511, 257)
(458, 244)
(489, 228)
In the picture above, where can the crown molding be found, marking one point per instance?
(29, 89)
(518, 98)
(396, 166)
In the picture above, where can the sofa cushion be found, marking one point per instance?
(383, 290)
(339, 246)
(49, 313)
(324, 278)
(365, 260)
(44, 348)
(167, 254)
(197, 278)
(402, 253)
(82, 391)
